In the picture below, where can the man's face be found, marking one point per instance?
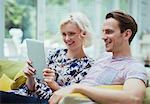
(112, 35)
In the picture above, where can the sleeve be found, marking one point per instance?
(137, 71)
(42, 90)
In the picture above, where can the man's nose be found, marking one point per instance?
(104, 37)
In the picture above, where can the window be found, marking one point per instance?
(23, 19)
(20, 16)
(56, 10)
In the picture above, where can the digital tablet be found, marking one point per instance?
(36, 53)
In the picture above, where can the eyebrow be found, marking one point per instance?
(107, 29)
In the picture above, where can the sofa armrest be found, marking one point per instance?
(147, 96)
(77, 98)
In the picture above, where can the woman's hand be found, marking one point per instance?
(29, 71)
(49, 78)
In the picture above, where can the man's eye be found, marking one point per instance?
(109, 32)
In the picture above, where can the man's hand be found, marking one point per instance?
(57, 95)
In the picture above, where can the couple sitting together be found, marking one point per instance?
(70, 70)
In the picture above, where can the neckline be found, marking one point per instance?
(82, 58)
(121, 57)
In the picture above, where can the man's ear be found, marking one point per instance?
(127, 34)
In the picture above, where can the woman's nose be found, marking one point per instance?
(67, 37)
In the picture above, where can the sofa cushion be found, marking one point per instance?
(18, 82)
(10, 68)
(5, 83)
(9, 71)
(20, 73)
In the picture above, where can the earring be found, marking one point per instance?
(84, 33)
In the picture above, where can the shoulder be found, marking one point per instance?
(85, 61)
(135, 69)
(135, 65)
(88, 59)
(56, 55)
(103, 58)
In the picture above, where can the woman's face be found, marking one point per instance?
(71, 35)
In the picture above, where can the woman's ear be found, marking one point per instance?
(83, 33)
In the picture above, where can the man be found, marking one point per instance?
(120, 69)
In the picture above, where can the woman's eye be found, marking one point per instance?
(63, 34)
(71, 33)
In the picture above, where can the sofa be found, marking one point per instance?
(10, 71)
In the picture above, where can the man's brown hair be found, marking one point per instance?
(125, 22)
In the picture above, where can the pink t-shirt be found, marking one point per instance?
(115, 71)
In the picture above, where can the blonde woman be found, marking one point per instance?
(65, 66)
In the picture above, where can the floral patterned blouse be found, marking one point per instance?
(68, 71)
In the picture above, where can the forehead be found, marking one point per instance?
(70, 26)
(111, 23)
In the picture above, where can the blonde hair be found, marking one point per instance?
(83, 23)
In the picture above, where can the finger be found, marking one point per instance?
(29, 61)
(49, 74)
(47, 70)
(61, 101)
(51, 100)
(29, 64)
(54, 99)
(48, 78)
(28, 72)
(31, 68)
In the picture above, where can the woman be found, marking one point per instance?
(71, 64)
(65, 66)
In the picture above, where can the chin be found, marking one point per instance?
(71, 48)
(108, 50)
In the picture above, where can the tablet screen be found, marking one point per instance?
(35, 51)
